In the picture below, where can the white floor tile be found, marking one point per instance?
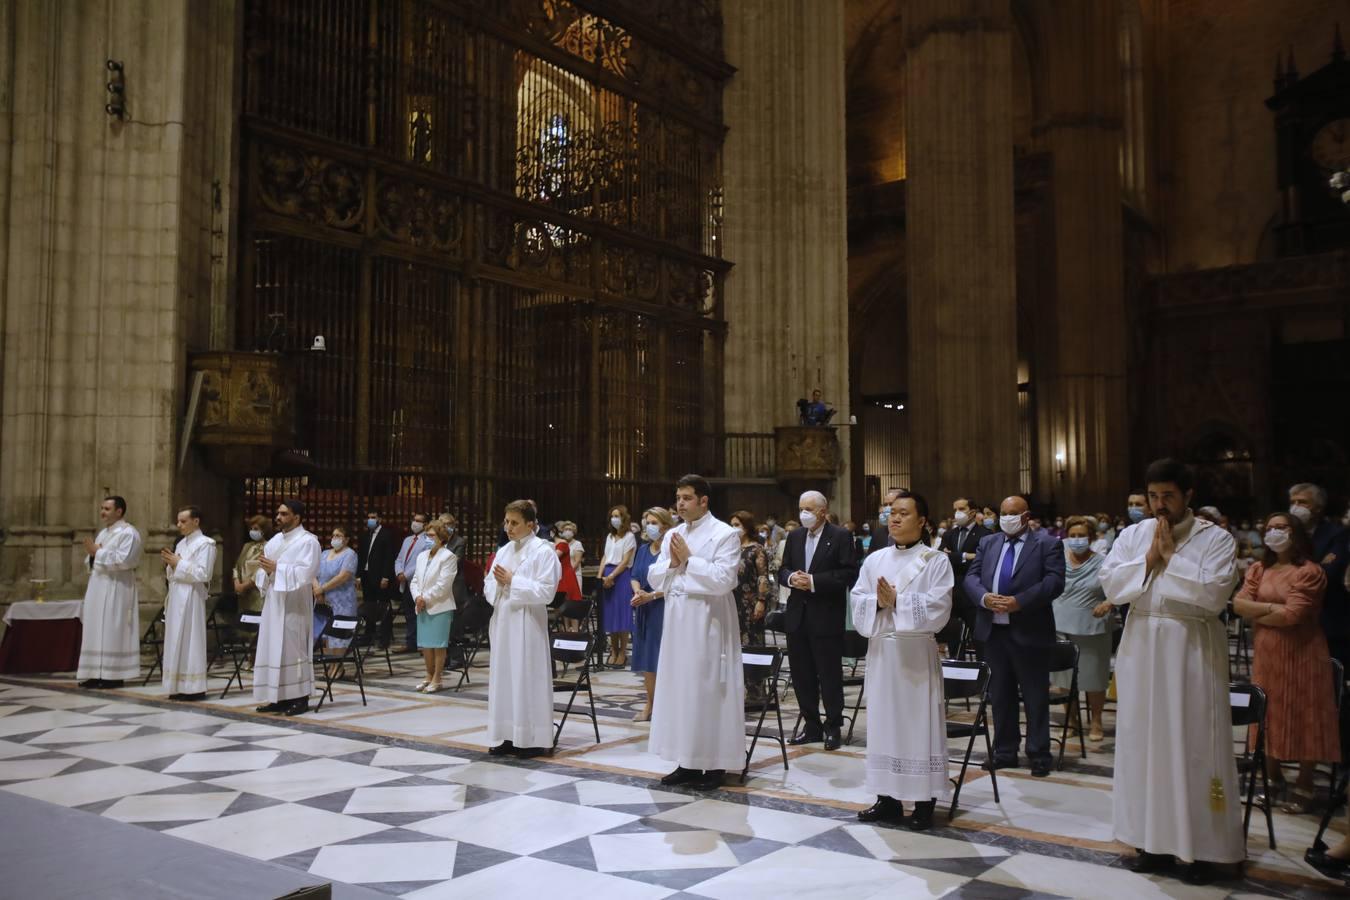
(655, 851)
(29, 769)
(401, 756)
(522, 825)
(170, 807)
(527, 876)
(92, 786)
(750, 821)
(224, 761)
(277, 830)
(1048, 874)
(149, 746)
(316, 745)
(67, 701)
(634, 757)
(175, 720)
(505, 778)
(85, 734)
(1039, 805)
(373, 863)
(423, 721)
(348, 704)
(124, 709)
(805, 873)
(12, 708)
(253, 729)
(424, 798)
(835, 775)
(893, 844)
(312, 778)
(604, 793)
(23, 723)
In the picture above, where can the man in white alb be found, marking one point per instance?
(189, 567)
(698, 719)
(283, 669)
(110, 645)
(1175, 790)
(902, 599)
(522, 583)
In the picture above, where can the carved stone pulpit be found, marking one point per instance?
(245, 412)
(807, 455)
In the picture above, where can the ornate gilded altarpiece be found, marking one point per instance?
(504, 218)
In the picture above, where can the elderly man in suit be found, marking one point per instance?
(959, 544)
(819, 567)
(1014, 578)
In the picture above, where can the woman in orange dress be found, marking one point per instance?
(1282, 598)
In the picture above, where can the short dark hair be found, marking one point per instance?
(375, 513)
(423, 516)
(920, 504)
(748, 523)
(697, 482)
(525, 508)
(119, 503)
(1170, 471)
(296, 507)
(192, 511)
(1303, 548)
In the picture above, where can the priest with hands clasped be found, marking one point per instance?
(283, 667)
(902, 598)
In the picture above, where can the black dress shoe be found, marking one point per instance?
(1040, 769)
(996, 763)
(1145, 863)
(922, 819)
(832, 739)
(91, 683)
(1330, 866)
(192, 698)
(270, 708)
(502, 749)
(710, 780)
(681, 775)
(807, 738)
(886, 809)
(531, 752)
(1201, 872)
(296, 707)
(114, 683)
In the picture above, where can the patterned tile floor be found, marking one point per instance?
(397, 795)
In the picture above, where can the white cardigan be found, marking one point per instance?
(434, 580)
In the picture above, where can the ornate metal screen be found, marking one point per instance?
(503, 217)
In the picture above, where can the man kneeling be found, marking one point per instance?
(903, 597)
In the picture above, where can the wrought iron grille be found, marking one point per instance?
(504, 218)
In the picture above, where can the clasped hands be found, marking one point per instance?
(800, 580)
(503, 576)
(90, 548)
(170, 558)
(1001, 603)
(267, 565)
(1163, 546)
(679, 551)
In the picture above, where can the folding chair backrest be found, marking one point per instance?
(475, 614)
(343, 628)
(576, 610)
(855, 645)
(761, 662)
(325, 614)
(1063, 656)
(962, 678)
(1338, 680)
(249, 622)
(571, 647)
(1248, 702)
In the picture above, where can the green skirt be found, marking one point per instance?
(433, 631)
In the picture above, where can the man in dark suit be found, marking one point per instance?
(375, 568)
(960, 543)
(1014, 578)
(819, 566)
(881, 532)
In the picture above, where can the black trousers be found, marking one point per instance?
(377, 612)
(1011, 666)
(817, 664)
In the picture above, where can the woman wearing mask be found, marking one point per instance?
(576, 550)
(1282, 598)
(433, 591)
(649, 607)
(335, 584)
(1083, 615)
(989, 519)
(569, 586)
(246, 566)
(616, 589)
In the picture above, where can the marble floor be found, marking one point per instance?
(398, 796)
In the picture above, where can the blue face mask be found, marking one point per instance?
(652, 531)
(1102, 527)
(371, 523)
(989, 523)
(1076, 544)
(885, 515)
(1136, 514)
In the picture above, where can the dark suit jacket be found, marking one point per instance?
(961, 565)
(380, 548)
(834, 568)
(1329, 539)
(881, 537)
(1037, 580)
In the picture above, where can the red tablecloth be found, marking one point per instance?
(41, 645)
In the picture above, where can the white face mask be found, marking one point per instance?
(615, 521)
(339, 543)
(1278, 539)
(653, 531)
(1302, 513)
(1010, 524)
(961, 518)
(417, 527)
(255, 535)
(808, 519)
(569, 534)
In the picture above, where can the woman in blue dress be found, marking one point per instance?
(649, 607)
(616, 592)
(336, 584)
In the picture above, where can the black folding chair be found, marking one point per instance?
(764, 663)
(961, 680)
(241, 645)
(153, 638)
(572, 648)
(1338, 694)
(331, 662)
(1064, 658)
(467, 636)
(855, 648)
(1248, 703)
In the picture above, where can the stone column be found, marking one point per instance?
(106, 234)
(785, 201)
(1079, 376)
(962, 341)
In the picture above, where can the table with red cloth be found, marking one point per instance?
(41, 637)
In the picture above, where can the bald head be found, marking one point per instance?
(1013, 516)
(1013, 506)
